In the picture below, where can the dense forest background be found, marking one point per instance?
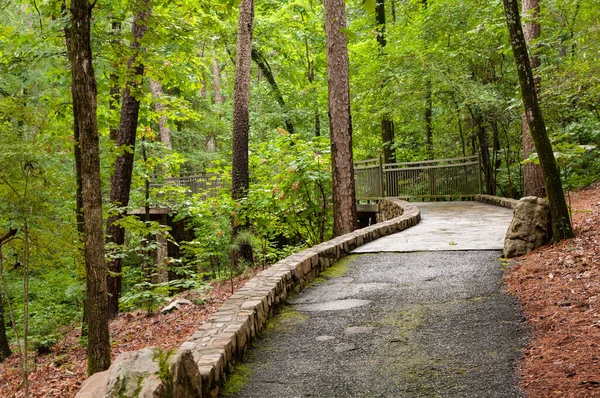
(436, 79)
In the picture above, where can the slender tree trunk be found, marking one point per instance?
(561, 223)
(211, 145)
(533, 177)
(84, 102)
(159, 107)
(115, 91)
(387, 125)
(428, 114)
(344, 197)
(428, 120)
(484, 150)
(310, 75)
(217, 82)
(5, 350)
(241, 123)
(263, 65)
(121, 180)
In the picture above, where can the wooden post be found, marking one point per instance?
(479, 168)
(381, 179)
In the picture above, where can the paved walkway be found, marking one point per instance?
(449, 226)
(419, 324)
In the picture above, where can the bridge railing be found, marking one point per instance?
(207, 184)
(443, 178)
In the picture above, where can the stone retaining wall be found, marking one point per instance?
(497, 201)
(201, 365)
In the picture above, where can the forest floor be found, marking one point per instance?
(558, 288)
(61, 372)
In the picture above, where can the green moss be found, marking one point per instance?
(407, 320)
(286, 320)
(339, 268)
(237, 380)
(315, 281)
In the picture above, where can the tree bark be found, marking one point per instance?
(219, 99)
(121, 180)
(5, 350)
(241, 123)
(387, 125)
(428, 116)
(263, 65)
(533, 177)
(344, 197)
(211, 145)
(561, 223)
(159, 107)
(84, 103)
(484, 151)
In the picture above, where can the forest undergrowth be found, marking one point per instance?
(558, 288)
(60, 372)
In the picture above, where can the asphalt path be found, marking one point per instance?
(411, 324)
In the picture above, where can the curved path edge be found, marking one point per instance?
(200, 366)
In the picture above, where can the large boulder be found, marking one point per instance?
(530, 227)
(147, 373)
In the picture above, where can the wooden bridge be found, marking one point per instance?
(454, 178)
(430, 179)
(207, 184)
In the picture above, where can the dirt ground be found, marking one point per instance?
(61, 372)
(558, 287)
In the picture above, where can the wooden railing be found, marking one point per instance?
(207, 184)
(444, 178)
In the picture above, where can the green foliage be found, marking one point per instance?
(290, 195)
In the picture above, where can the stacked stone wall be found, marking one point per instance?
(497, 201)
(224, 338)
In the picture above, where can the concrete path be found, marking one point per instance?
(420, 324)
(449, 226)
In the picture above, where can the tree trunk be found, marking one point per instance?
(241, 123)
(84, 103)
(484, 151)
(533, 177)
(344, 197)
(115, 91)
(159, 107)
(211, 145)
(428, 120)
(121, 179)
(263, 65)
(561, 223)
(387, 125)
(5, 350)
(217, 82)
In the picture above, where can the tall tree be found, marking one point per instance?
(561, 223)
(263, 65)
(5, 350)
(340, 122)
(83, 88)
(159, 106)
(387, 124)
(241, 120)
(533, 177)
(428, 108)
(121, 180)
